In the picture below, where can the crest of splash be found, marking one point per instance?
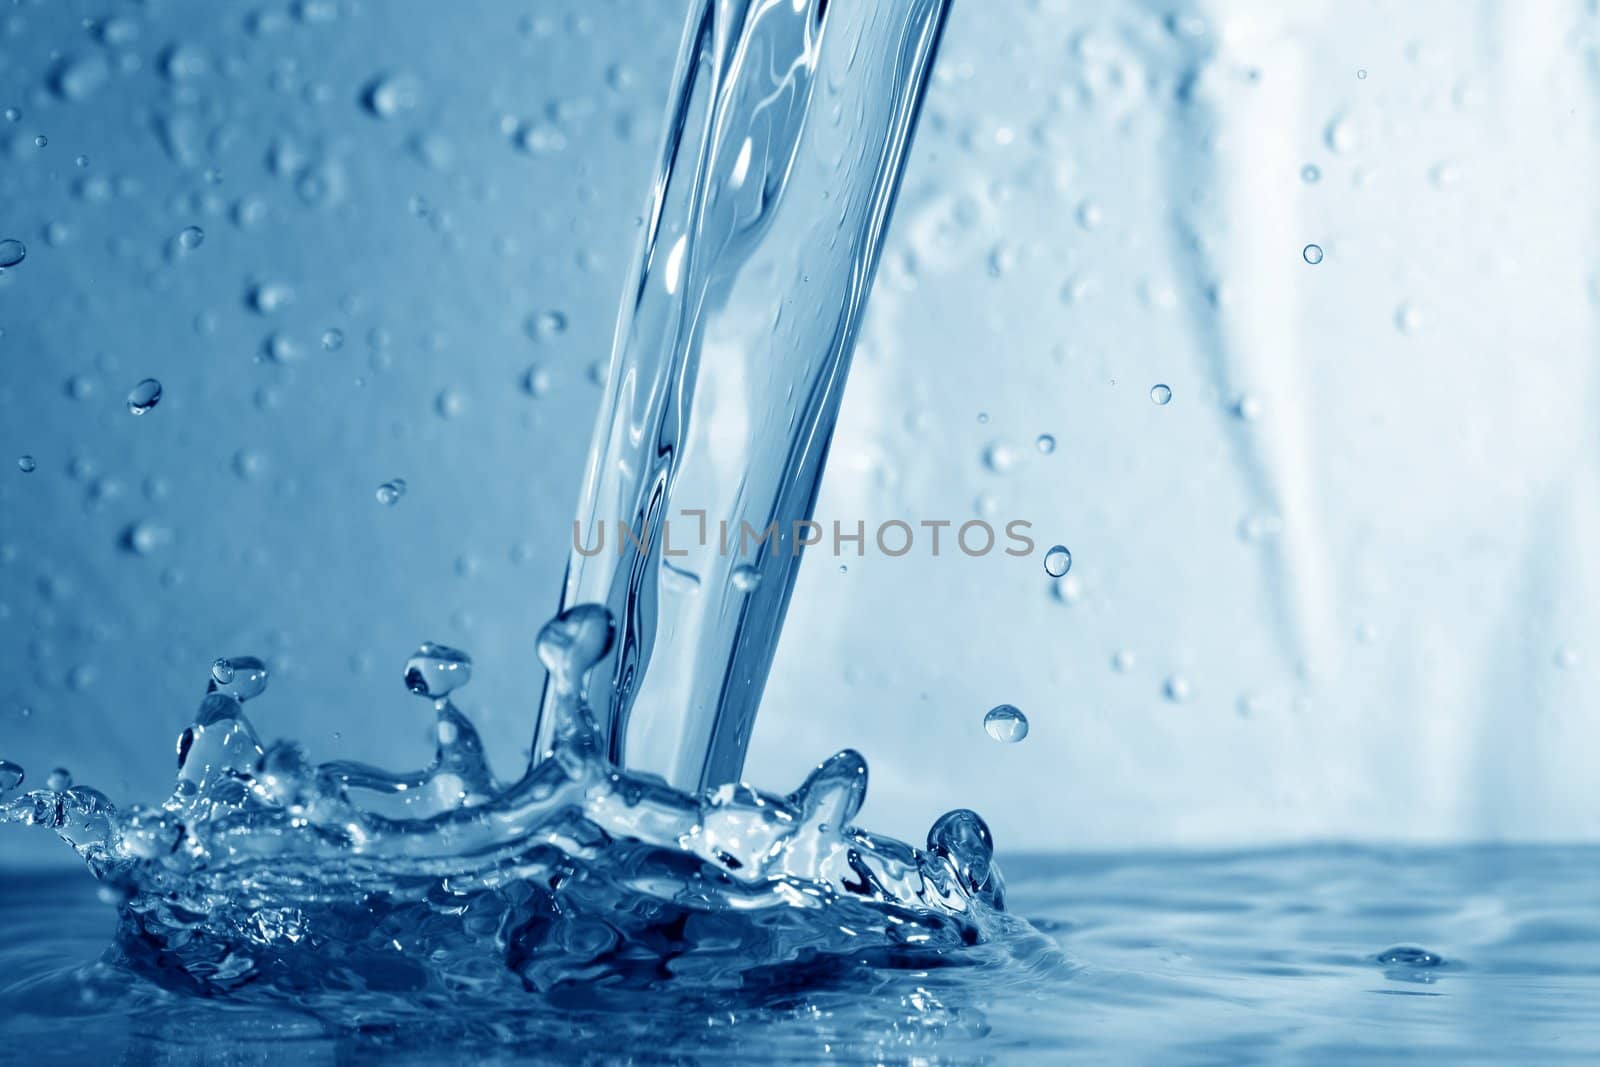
(618, 857)
(266, 870)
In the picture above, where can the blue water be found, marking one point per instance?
(1207, 958)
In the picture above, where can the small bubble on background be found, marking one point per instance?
(390, 492)
(1161, 394)
(59, 779)
(536, 381)
(1124, 661)
(190, 238)
(332, 339)
(746, 578)
(1566, 658)
(144, 396)
(1311, 174)
(1312, 254)
(1362, 74)
(1176, 689)
(1057, 561)
(26, 464)
(1046, 444)
(1006, 724)
(12, 252)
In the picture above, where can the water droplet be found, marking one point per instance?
(11, 776)
(59, 779)
(280, 348)
(437, 671)
(267, 298)
(1409, 956)
(746, 578)
(1312, 254)
(12, 252)
(241, 677)
(332, 339)
(41, 141)
(1006, 723)
(450, 403)
(1311, 174)
(26, 464)
(536, 381)
(1046, 444)
(1161, 394)
(546, 324)
(1247, 407)
(1408, 319)
(1000, 457)
(388, 95)
(1566, 658)
(1176, 689)
(191, 237)
(1058, 561)
(145, 538)
(13, 115)
(1124, 661)
(1362, 74)
(391, 491)
(144, 396)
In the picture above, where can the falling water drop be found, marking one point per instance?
(59, 779)
(1006, 723)
(144, 396)
(190, 238)
(26, 464)
(1057, 561)
(12, 252)
(1161, 394)
(391, 491)
(11, 776)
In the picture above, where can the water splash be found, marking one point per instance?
(262, 868)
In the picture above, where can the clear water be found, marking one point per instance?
(1253, 957)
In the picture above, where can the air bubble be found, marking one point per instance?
(1006, 724)
(1311, 174)
(746, 578)
(1057, 561)
(26, 464)
(1161, 394)
(1312, 254)
(1176, 689)
(1046, 444)
(536, 381)
(190, 238)
(390, 492)
(332, 339)
(144, 396)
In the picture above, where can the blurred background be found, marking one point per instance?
(1334, 588)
